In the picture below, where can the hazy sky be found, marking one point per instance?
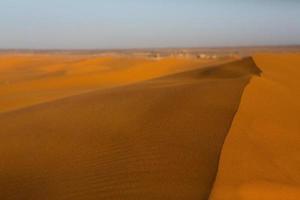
(151, 23)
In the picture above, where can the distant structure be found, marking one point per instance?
(207, 56)
(155, 56)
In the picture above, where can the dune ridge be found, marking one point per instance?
(260, 157)
(158, 139)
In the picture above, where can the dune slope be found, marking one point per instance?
(159, 139)
(260, 158)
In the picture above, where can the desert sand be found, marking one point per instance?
(120, 127)
(155, 139)
(261, 155)
(28, 79)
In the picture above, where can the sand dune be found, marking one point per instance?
(28, 79)
(260, 158)
(157, 139)
(150, 132)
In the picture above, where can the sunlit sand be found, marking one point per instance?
(260, 158)
(119, 126)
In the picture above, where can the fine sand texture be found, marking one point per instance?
(261, 156)
(157, 139)
(28, 79)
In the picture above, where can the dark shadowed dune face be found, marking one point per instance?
(231, 70)
(158, 139)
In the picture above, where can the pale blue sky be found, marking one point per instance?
(81, 24)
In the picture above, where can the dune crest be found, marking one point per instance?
(260, 158)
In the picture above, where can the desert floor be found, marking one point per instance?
(123, 127)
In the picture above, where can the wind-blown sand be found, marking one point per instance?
(157, 139)
(261, 155)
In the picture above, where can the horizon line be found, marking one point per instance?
(153, 48)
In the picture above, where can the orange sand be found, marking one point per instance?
(261, 156)
(159, 138)
(156, 139)
(28, 79)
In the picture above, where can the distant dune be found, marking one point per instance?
(157, 139)
(28, 79)
(261, 155)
